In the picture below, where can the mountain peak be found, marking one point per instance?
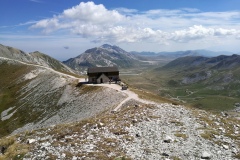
(106, 46)
(105, 55)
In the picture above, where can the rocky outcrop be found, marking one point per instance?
(194, 78)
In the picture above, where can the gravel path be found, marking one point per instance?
(130, 95)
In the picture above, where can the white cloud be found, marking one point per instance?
(82, 18)
(36, 1)
(200, 32)
(91, 13)
(98, 24)
(126, 11)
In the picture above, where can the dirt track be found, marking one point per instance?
(130, 94)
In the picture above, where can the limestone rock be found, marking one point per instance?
(168, 139)
(225, 147)
(29, 141)
(206, 155)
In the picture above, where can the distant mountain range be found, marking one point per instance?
(178, 54)
(219, 62)
(108, 55)
(105, 55)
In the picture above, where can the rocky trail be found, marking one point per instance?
(130, 94)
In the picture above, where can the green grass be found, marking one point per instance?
(215, 103)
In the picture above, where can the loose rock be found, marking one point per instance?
(206, 155)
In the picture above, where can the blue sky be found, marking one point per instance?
(66, 28)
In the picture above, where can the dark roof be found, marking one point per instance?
(102, 69)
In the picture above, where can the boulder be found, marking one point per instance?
(206, 155)
(138, 135)
(75, 158)
(168, 139)
(226, 147)
(29, 141)
(165, 154)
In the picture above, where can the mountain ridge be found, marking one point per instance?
(177, 54)
(34, 58)
(219, 62)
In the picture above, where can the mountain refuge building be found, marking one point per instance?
(102, 74)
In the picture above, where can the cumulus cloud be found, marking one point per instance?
(99, 24)
(81, 17)
(200, 32)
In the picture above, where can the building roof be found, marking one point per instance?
(102, 69)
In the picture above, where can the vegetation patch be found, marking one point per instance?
(87, 89)
(177, 123)
(13, 149)
(181, 135)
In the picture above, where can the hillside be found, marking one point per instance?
(212, 83)
(34, 58)
(105, 55)
(33, 96)
(218, 63)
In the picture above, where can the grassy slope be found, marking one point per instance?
(8, 93)
(29, 105)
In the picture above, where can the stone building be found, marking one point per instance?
(102, 74)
